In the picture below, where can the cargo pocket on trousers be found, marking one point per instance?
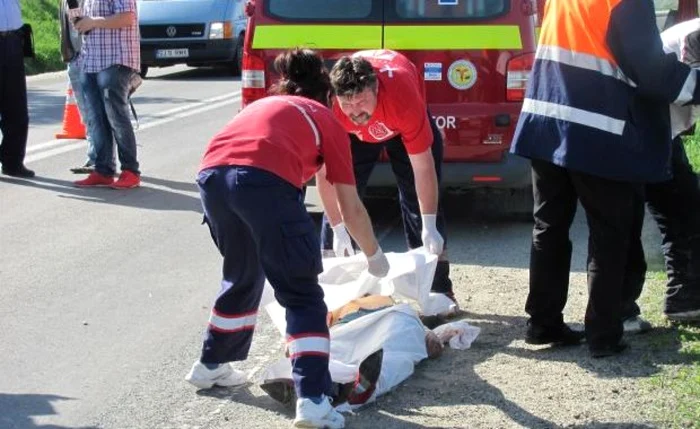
(302, 249)
(206, 221)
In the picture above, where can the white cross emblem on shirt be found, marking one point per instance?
(388, 69)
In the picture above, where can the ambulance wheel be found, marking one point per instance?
(144, 71)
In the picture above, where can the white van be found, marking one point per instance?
(192, 32)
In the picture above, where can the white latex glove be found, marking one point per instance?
(342, 243)
(432, 240)
(378, 264)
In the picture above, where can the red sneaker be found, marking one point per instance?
(127, 180)
(93, 180)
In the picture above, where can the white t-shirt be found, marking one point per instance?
(682, 117)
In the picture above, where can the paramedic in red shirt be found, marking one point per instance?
(250, 182)
(380, 100)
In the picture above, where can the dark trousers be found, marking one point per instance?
(14, 116)
(616, 265)
(364, 158)
(675, 205)
(261, 227)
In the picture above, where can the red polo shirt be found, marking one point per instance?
(289, 136)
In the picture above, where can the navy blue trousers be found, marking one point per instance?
(261, 227)
(364, 157)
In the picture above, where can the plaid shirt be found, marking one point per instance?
(104, 47)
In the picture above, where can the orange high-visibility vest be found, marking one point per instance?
(599, 91)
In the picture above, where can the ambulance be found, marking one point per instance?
(474, 57)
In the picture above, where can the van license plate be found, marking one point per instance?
(172, 53)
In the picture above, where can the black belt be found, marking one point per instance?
(10, 33)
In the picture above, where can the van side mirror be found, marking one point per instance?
(250, 8)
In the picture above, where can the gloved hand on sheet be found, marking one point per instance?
(378, 265)
(432, 240)
(342, 243)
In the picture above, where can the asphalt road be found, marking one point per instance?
(104, 294)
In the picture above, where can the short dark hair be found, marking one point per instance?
(302, 73)
(352, 75)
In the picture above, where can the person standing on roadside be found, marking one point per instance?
(675, 204)
(596, 125)
(14, 113)
(111, 59)
(71, 43)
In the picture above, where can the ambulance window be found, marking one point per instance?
(320, 9)
(450, 9)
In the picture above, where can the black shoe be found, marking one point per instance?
(560, 335)
(682, 303)
(367, 378)
(281, 390)
(20, 171)
(83, 169)
(608, 349)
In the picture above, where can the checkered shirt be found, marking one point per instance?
(104, 47)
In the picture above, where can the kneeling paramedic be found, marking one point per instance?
(251, 181)
(380, 100)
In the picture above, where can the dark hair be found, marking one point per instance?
(352, 75)
(303, 73)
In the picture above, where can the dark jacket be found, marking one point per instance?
(71, 41)
(599, 91)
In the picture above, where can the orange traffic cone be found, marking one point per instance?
(73, 127)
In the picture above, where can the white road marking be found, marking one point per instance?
(39, 151)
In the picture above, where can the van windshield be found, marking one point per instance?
(320, 9)
(450, 9)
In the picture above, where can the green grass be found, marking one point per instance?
(43, 17)
(677, 386)
(692, 148)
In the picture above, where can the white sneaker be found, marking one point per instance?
(636, 325)
(224, 376)
(323, 415)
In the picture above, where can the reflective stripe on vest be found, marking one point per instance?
(582, 60)
(567, 41)
(574, 115)
(405, 37)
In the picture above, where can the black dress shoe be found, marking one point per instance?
(20, 171)
(560, 335)
(605, 350)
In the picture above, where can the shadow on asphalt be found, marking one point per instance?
(144, 197)
(17, 410)
(43, 108)
(243, 395)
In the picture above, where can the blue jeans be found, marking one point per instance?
(106, 96)
(261, 227)
(75, 77)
